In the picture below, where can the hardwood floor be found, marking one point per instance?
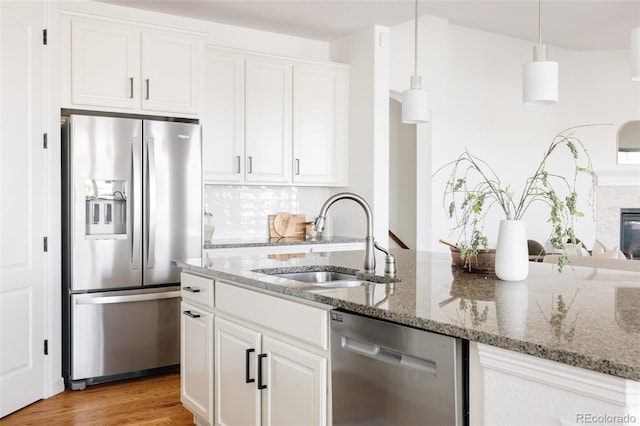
(152, 400)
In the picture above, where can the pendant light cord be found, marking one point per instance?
(415, 41)
(540, 22)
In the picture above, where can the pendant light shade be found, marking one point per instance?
(635, 54)
(415, 101)
(540, 82)
(540, 77)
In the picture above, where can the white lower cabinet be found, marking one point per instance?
(271, 359)
(295, 389)
(263, 360)
(262, 380)
(197, 361)
(237, 395)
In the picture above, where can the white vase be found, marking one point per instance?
(208, 232)
(512, 253)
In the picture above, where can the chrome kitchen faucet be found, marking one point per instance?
(369, 257)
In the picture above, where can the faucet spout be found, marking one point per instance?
(369, 257)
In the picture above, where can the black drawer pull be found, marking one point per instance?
(192, 315)
(191, 289)
(260, 384)
(247, 366)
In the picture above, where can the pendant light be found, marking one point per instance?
(540, 77)
(635, 54)
(415, 101)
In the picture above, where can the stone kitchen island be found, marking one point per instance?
(557, 348)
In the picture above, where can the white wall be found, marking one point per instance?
(476, 104)
(402, 176)
(368, 53)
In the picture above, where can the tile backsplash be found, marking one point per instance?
(241, 212)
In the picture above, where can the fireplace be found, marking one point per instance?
(630, 233)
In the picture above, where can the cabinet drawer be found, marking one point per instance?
(302, 322)
(197, 289)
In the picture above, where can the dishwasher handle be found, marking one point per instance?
(390, 356)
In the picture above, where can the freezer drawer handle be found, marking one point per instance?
(191, 289)
(260, 384)
(190, 314)
(390, 356)
(105, 300)
(247, 364)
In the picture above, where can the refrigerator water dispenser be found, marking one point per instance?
(106, 209)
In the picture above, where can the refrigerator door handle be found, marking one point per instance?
(106, 300)
(135, 205)
(151, 208)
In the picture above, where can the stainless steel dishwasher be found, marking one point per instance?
(387, 374)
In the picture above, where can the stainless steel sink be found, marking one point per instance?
(324, 278)
(317, 276)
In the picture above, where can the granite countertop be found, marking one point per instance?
(584, 317)
(267, 241)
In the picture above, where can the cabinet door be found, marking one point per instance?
(223, 118)
(170, 72)
(23, 172)
(105, 65)
(236, 393)
(296, 392)
(196, 357)
(320, 97)
(267, 120)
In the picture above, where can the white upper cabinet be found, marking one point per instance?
(320, 101)
(125, 68)
(105, 65)
(275, 121)
(223, 118)
(171, 65)
(267, 120)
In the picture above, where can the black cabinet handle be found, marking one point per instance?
(130, 87)
(192, 315)
(260, 385)
(147, 82)
(191, 289)
(247, 364)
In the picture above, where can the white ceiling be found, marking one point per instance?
(572, 24)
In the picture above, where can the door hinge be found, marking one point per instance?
(46, 347)
(46, 244)
(45, 142)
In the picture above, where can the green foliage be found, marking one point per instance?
(473, 188)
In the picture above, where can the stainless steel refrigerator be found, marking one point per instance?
(132, 202)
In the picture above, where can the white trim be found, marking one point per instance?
(600, 386)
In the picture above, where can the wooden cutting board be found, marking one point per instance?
(286, 224)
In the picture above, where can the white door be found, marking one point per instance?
(223, 118)
(296, 392)
(170, 72)
(320, 102)
(105, 65)
(196, 358)
(22, 204)
(236, 392)
(267, 120)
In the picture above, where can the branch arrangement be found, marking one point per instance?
(473, 189)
